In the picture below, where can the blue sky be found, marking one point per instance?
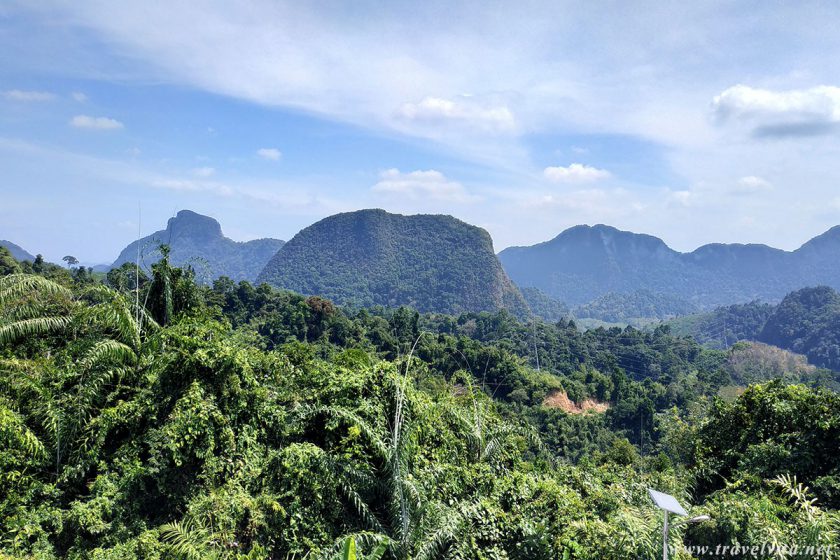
(709, 123)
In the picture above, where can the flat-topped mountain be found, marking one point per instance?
(198, 241)
(17, 251)
(370, 257)
(587, 262)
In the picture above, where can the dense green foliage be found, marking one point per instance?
(236, 421)
(585, 263)
(197, 241)
(754, 438)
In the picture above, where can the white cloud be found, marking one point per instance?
(803, 112)
(79, 96)
(204, 171)
(421, 184)
(685, 198)
(272, 154)
(575, 173)
(20, 95)
(466, 110)
(96, 123)
(751, 185)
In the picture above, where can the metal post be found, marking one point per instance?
(665, 538)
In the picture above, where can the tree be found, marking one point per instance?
(171, 291)
(413, 526)
(70, 260)
(8, 264)
(38, 264)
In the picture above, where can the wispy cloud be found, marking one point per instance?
(271, 154)
(575, 173)
(79, 96)
(421, 184)
(21, 95)
(204, 171)
(751, 185)
(95, 123)
(193, 186)
(464, 110)
(538, 76)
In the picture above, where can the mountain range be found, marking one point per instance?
(198, 241)
(371, 257)
(585, 263)
(17, 252)
(441, 264)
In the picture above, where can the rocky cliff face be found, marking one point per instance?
(197, 240)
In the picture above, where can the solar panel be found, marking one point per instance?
(666, 502)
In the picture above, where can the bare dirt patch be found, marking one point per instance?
(559, 399)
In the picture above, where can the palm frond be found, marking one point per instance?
(797, 492)
(108, 351)
(16, 286)
(13, 432)
(436, 542)
(188, 540)
(32, 327)
(24, 310)
(372, 436)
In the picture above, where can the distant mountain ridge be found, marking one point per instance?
(18, 252)
(585, 263)
(433, 263)
(198, 241)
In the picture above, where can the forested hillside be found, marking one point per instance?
(197, 241)
(638, 305)
(725, 326)
(807, 322)
(544, 306)
(17, 252)
(371, 257)
(585, 263)
(238, 421)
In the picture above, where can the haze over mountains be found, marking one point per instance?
(198, 241)
(585, 263)
(370, 257)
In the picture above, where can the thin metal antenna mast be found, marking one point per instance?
(137, 269)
